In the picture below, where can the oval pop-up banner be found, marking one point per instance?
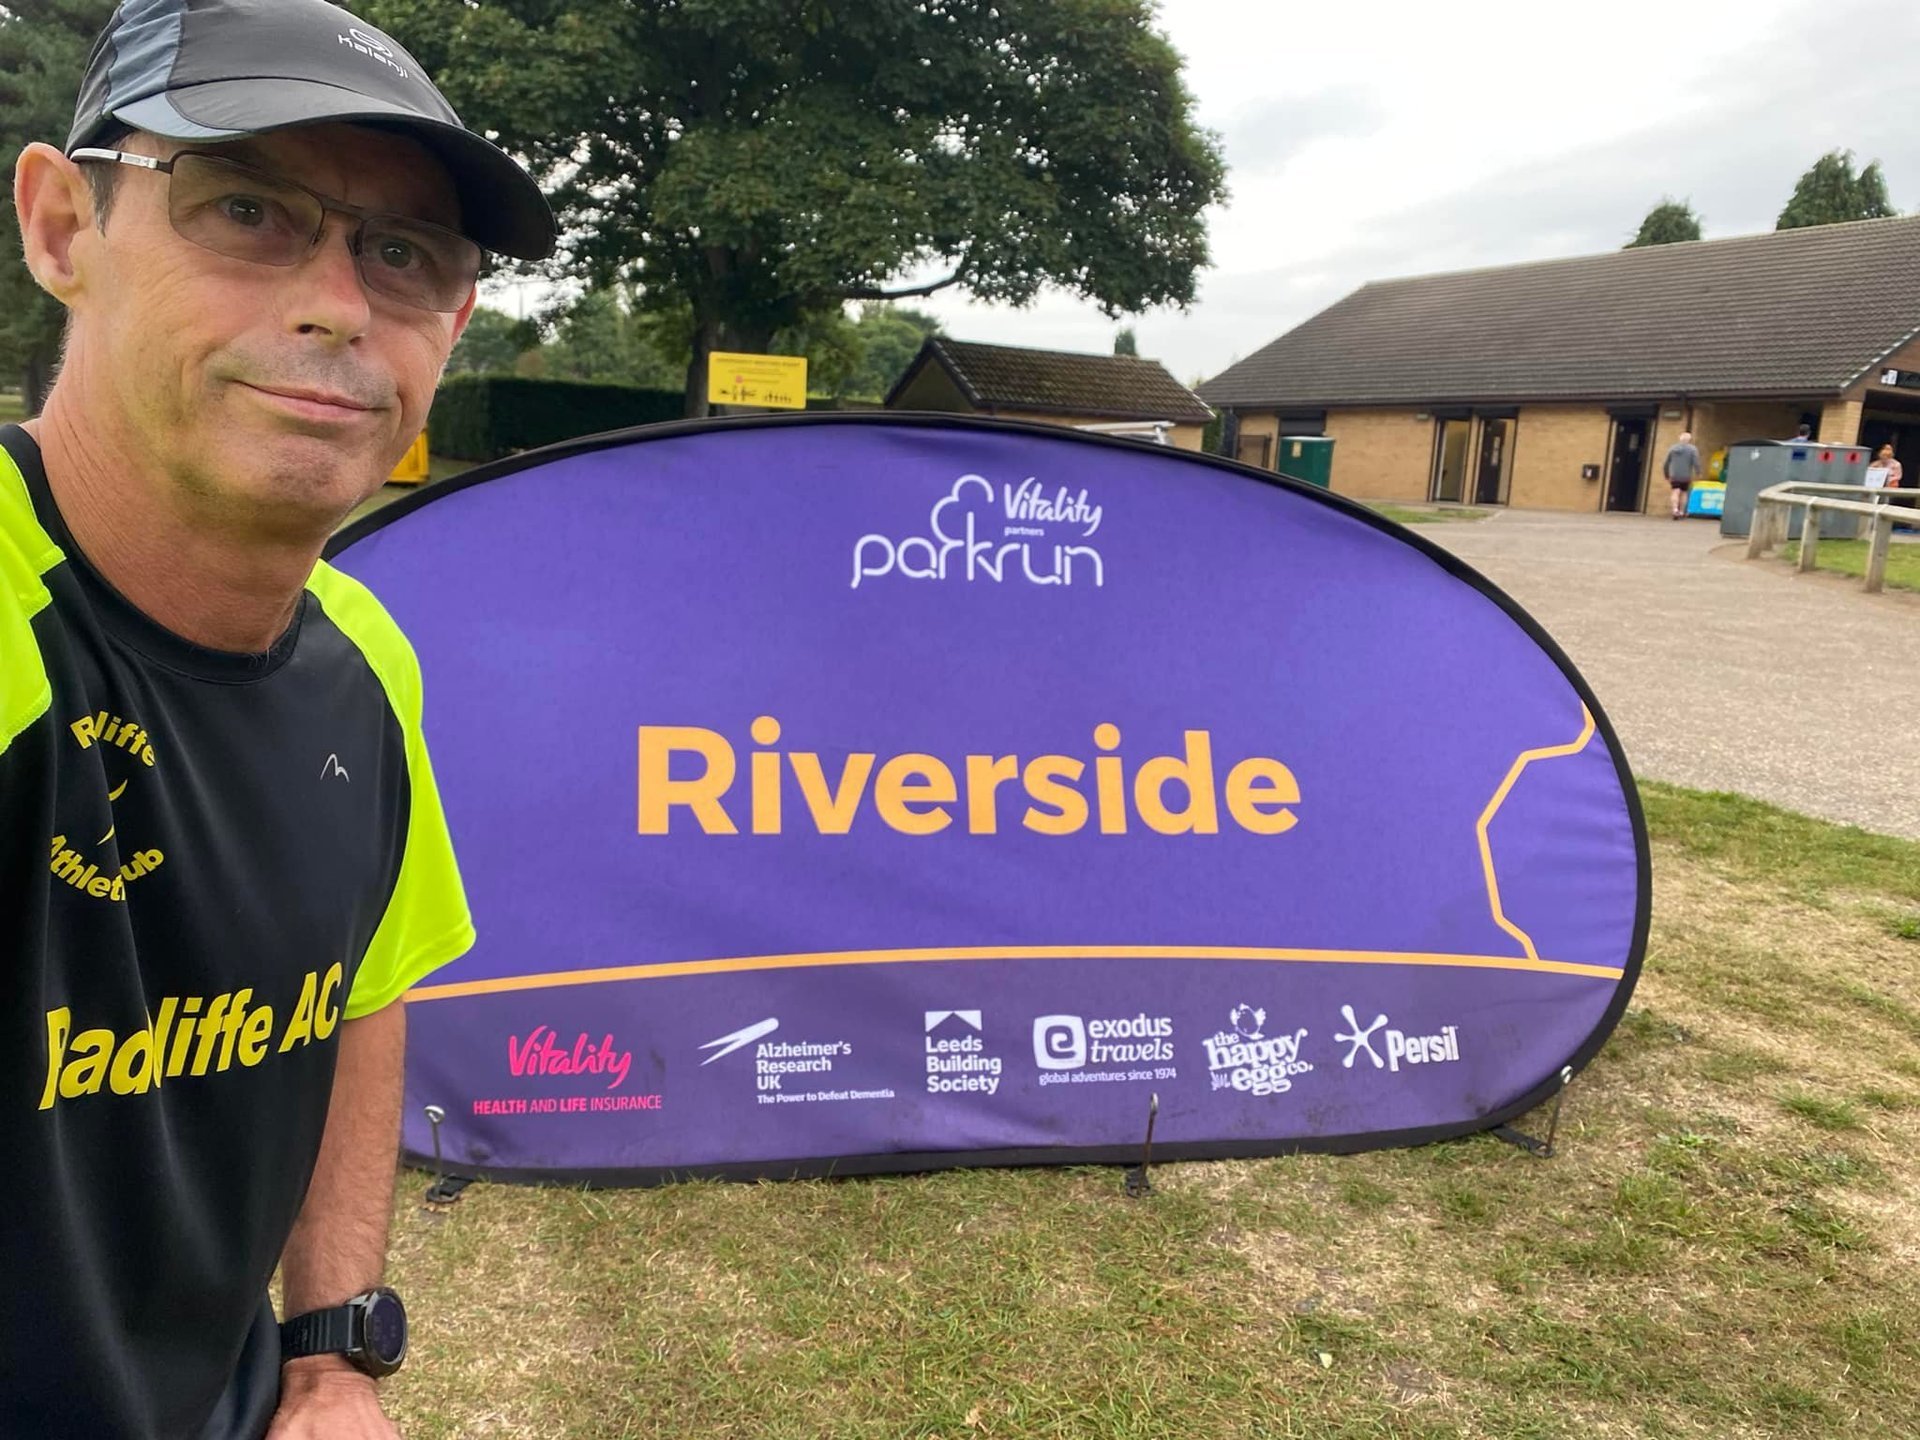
(847, 794)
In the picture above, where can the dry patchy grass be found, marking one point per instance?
(1727, 1246)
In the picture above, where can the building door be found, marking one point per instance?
(1450, 460)
(1627, 471)
(1490, 484)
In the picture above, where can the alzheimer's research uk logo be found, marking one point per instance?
(1023, 532)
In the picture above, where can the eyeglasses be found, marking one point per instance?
(247, 214)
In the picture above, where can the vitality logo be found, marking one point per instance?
(1437, 1049)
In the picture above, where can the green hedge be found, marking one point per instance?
(482, 417)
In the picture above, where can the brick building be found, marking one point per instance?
(1114, 393)
(1559, 384)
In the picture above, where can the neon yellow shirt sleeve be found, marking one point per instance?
(26, 553)
(427, 922)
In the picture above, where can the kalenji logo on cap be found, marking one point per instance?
(374, 48)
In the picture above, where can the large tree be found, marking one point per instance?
(43, 50)
(1668, 223)
(761, 162)
(1830, 193)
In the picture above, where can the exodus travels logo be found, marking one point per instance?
(974, 534)
(1074, 1048)
(1248, 1060)
(957, 1058)
(1440, 1048)
(775, 1062)
(70, 863)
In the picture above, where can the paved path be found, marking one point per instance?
(1718, 672)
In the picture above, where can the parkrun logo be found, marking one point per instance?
(690, 771)
(962, 544)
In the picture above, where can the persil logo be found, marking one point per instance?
(374, 48)
(1249, 1060)
(971, 538)
(1437, 1049)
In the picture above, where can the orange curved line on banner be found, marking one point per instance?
(1527, 757)
(826, 958)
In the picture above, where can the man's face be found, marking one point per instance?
(282, 396)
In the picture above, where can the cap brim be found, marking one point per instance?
(501, 205)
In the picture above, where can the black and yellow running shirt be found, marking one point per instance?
(208, 862)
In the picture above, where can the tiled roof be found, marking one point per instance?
(1121, 387)
(1796, 312)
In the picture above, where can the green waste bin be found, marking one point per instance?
(1308, 458)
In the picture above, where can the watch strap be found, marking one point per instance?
(319, 1332)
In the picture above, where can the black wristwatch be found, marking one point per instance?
(370, 1330)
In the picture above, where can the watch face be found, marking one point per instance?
(387, 1329)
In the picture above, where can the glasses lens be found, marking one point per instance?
(240, 212)
(418, 263)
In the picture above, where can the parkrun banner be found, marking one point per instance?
(841, 794)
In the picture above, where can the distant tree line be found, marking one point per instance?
(604, 336)
(1831, 192)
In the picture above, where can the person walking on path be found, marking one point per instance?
(222, 855)
(1681, 467)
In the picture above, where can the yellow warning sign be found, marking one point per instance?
(412, 468)
(778, 382)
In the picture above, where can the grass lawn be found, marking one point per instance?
(1728, 1246)
(1434, 515)
(12, 407)
(1849, 557)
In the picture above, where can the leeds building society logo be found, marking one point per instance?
(957, 1058)
(1023, 533)
(1439, 1049)
(1249, 1060)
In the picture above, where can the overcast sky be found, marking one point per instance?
(1376, 138)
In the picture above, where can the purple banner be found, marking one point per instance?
(860, 793)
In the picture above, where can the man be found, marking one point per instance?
(222, 856)
(1681, 467)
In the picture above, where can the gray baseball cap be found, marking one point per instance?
(213, 70)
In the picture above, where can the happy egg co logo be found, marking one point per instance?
(962, 543)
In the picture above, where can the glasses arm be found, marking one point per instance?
(123, 157)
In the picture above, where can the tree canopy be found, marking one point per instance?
(41, 60)
(493, 342)
(761, 163)
(1831, 193)
(1668, 223)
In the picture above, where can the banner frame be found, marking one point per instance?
(922, 1162)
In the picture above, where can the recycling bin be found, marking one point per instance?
(1308, 458)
